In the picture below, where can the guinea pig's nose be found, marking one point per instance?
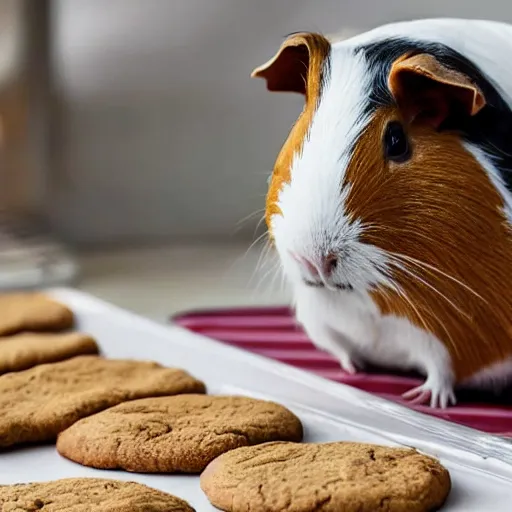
(306, 263)
(329, 264)
(324, 266)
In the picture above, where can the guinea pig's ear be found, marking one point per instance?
(296, 64)
(428, 91)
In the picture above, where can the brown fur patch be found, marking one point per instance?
(318, 50)
(441, 209)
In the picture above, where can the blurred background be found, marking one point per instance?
(135, 149)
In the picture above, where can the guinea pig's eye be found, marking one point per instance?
(396, 145)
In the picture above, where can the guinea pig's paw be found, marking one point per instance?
(348, 366)
(439, 391)
(347, 361)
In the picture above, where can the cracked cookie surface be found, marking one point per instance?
(86, 494)
(330, 477)
(175, 434)
(39, 403)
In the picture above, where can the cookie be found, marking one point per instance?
(25, 350)
(175, 434)
(88, 494)
(331, 477)
(39, 403)
(32, 312)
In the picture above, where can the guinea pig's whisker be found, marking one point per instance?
(403, 268)
(240, 224)
(263, 258)
(250, 216)
(269, 272)
(385, 290)
(369, 226)
(276, 271)
(434, 317)
(246, 253)
(258, 225)
(263, 252)
(421, 318)
(258, 266)
(397, 289)
(282, 286)
(497, 150)
(266, 256)
(425, 265)
(257, 241)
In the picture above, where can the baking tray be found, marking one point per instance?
(479, 463)
(273, 333)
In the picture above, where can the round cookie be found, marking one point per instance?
(331, 477)
(33, 311)
(176, 433)
(82, 494)
(26, 350)
(39, 403)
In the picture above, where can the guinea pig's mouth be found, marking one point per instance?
(339, 286)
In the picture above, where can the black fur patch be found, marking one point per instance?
(490, 129)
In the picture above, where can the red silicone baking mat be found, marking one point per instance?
(272, 332)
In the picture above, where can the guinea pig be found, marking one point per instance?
(390, 202)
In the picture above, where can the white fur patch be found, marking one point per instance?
(349, 326)
(494, 377)
(314, 221)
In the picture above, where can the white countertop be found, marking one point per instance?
(158, 281)
(479, 464)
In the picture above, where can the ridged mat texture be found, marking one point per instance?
(273, 333)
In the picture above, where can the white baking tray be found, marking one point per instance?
(480, 464)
